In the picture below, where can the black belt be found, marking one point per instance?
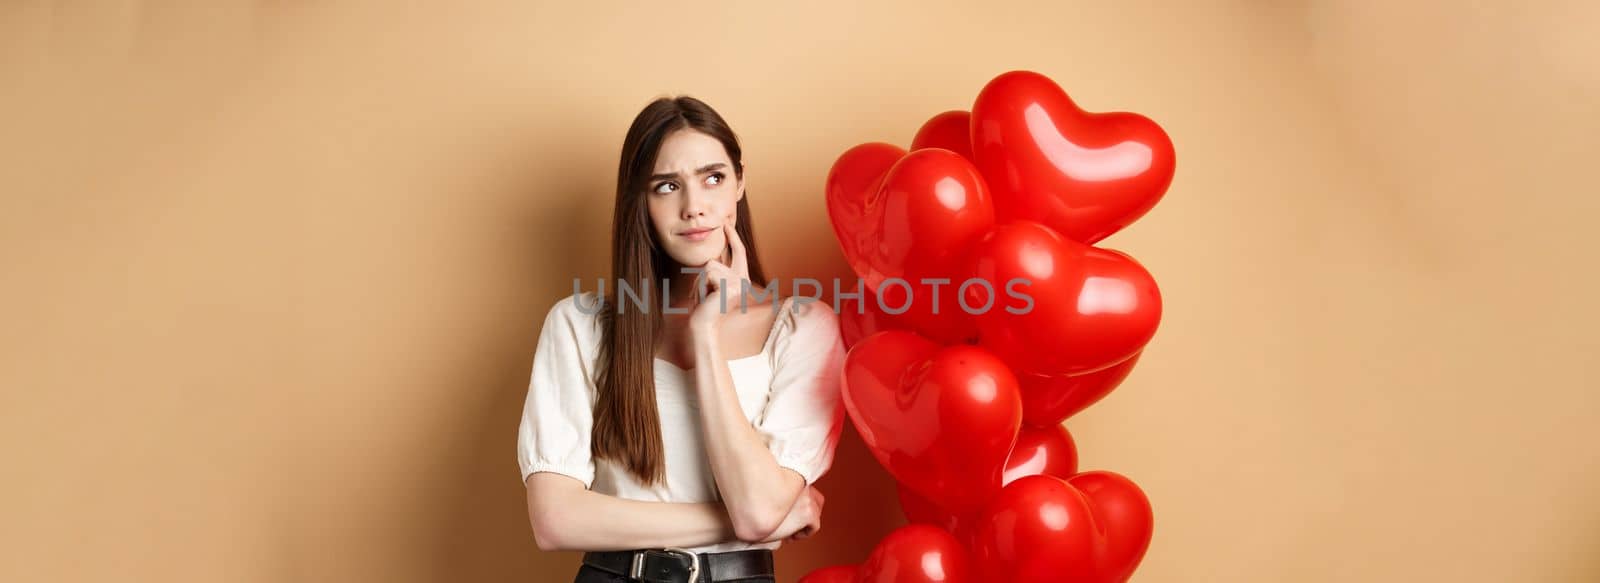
(681, 566)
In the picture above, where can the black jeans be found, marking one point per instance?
(587, 574)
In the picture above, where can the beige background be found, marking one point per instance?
(273, 271)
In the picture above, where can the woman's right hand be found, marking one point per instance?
(804, 519)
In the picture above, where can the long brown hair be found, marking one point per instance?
(627, 426)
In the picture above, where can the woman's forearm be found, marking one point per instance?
(568, 517)
(756, 490)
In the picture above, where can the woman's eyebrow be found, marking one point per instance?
(702, 170)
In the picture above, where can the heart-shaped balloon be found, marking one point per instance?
(851, 190)
(1088, 308)
(1086, 175)
(1038, 529)
(940, 419)
(907, 233)
(1049, 400)
(1039, 450)
(1094, 526)
(1123, 512)
(949, 130)
(1047, 451)
(833, 574)
(916, 553)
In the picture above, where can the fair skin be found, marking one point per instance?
(692, 199)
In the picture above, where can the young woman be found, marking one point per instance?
(670, 439)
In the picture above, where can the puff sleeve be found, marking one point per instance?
(803, 416)
(558, 413)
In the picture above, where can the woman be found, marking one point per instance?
(673, 440)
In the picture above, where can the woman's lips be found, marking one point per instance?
(698, 234)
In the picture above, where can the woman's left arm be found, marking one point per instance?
(755, 489)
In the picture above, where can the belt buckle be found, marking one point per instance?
(637, 570)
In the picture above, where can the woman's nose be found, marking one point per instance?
(696, 203)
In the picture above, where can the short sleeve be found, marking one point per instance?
(803, 415)
(558, 413)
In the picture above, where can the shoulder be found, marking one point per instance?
(569, 341)
(578, 307)
(805, 312)
(576, 315)
(807, 324)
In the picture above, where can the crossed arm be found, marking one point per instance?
(567, 516)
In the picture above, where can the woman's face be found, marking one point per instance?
(692, 192)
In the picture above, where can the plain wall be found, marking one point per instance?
(273, 272)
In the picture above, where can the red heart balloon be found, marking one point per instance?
(1037, 529)
(1089, 307)
(1124, 514)
(1039, 450)
(1049, 400)
(1086, 175)
(1047, 451)
(833, 574)
(949, 130)
(852, 187)
(941, 420)
(913, 224)
(916, 553)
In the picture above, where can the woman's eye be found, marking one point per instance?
(665, 187)
(715, 178)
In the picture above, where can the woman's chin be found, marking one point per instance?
(692, 257)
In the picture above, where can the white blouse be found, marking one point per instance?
(789, 392)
